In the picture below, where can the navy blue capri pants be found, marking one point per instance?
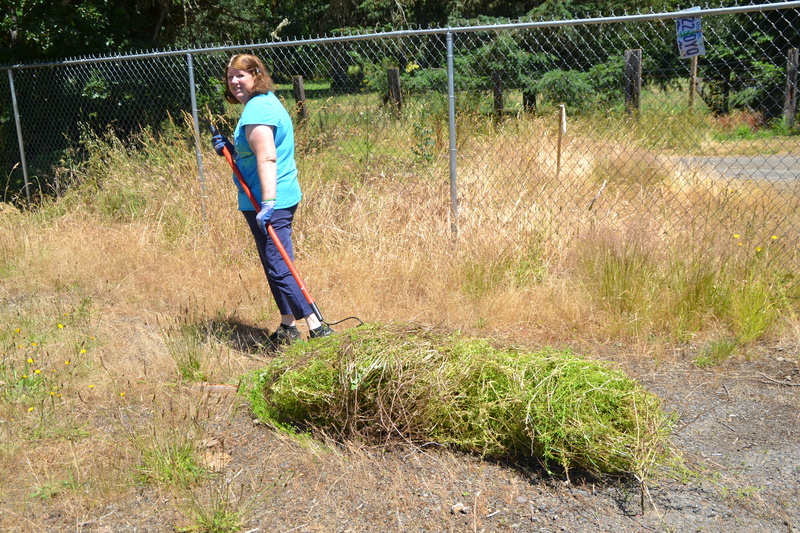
(288, 296)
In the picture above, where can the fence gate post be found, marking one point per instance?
(633, 79)
(790, 104)
(692, 80)
(300, 98)
(393, 75)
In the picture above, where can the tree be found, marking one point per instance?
(52, 29)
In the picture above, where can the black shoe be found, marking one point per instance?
(284, 335)
(323, 331)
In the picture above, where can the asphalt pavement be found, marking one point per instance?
(772, 167)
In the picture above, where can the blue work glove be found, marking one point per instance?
(265, 214)
(220, 141)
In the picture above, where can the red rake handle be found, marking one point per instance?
(270, 230)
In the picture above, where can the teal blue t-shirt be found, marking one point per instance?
(266, 109)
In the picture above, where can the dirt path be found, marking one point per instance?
(738, 428)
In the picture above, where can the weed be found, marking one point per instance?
(167, 444)
(185, 343)
(222, 504)
(717, 351)
(169, 460)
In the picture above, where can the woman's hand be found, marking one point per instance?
(265, 214)
(220, 141)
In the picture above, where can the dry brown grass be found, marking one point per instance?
(377, 244)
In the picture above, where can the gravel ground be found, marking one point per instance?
(738, 430)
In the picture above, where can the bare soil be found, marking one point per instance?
(738, 430)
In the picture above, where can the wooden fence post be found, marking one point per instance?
(790, 104)
(300, 98)
(497, 91)
(633, 79)
(395, 98)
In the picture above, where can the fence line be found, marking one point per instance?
(598, 71)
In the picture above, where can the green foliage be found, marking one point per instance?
(570, 87)
(735, 77)
(39, 29)
(380, 381)
(582, 91)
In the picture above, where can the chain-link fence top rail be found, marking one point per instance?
(650, 141)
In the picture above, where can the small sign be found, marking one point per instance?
(690, 36)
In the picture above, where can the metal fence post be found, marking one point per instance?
(451, 111)
(198, 152)
(19, 135)
(790, 103)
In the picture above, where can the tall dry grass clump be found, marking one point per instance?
(620, 242)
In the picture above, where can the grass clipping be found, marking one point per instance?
(378, 382)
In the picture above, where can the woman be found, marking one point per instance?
(263, 146)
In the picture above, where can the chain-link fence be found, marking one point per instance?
(557, 125)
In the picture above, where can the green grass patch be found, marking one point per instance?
(185, 342)
(378, 382)
(717, 351)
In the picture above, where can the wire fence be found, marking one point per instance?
(557, 125)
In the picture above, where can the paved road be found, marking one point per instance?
(776, 167)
